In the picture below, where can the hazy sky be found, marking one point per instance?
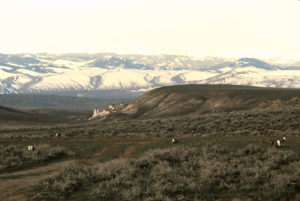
(230, 28)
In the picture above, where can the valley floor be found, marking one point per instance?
(219, 156)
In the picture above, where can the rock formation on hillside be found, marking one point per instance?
(112, 108)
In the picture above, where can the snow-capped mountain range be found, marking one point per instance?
(107, 73)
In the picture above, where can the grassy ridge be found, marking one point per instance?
(198, 99)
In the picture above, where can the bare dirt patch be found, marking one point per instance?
(130, 151)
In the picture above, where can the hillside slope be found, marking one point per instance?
(198, 99)
(9, 114)
(41, 116)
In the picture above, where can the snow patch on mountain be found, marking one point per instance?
(253, 76)
(46, 73)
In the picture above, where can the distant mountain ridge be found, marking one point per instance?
(113, 76)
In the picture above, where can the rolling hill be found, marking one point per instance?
(37, 116)
(10, 114)
(199, 99)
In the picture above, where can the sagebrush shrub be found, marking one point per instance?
(17, 157)
(209, 173)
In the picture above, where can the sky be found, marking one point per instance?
(200, 28)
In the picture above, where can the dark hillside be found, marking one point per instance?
(34, 101)
(199, 99)
(41, 115)
(9, 114)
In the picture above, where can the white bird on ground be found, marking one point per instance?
(30, 148)
(277, 143)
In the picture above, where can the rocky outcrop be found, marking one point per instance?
(97, 113)
(112, 108)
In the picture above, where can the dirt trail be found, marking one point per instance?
(92, 158)
(13, 186)
(16, 185)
